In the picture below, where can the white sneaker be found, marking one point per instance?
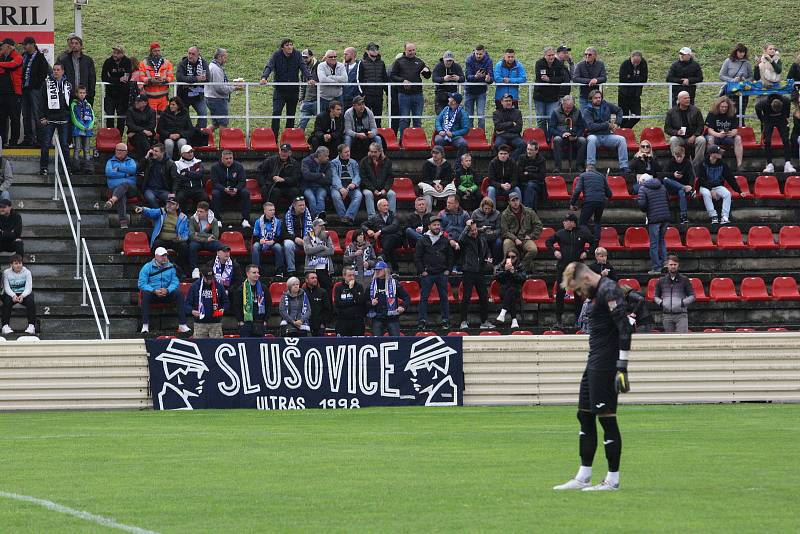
(31, 329)
(245, 223)
(501, 317)
(196, 273)
(573, 484)
(788, 167)
(464, 325)
(7, 329)
(486, 325)
(182, 328)
(145, 328)
(769, 168)
(724, 220)
(514, 323)
(603, 486)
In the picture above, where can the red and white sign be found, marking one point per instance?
(34, 18)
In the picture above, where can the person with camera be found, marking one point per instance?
(475, 258)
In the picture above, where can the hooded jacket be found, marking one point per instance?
(432, 172)
(354, 124)
(120, 171)
(196, 233)
(433, 254)
(654, 201)
(153, 276)
(291, 309)
(372, 71)
(594, 187)
(158, 215)
(711, 175)
(515, 73)
(190, 175)
(82, 118)
(555, 72)
(443, 88)
(454, 223)
(11, 74)
(472, 66)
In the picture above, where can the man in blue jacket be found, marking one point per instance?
(286, 63)
(345, 186)
(654, 201)
(595, 189)
(508, 71)
(170, 230)
(597, 116)
(452, 124)
(158, 283)
(207, 301)
(479, 70)
(121, 180)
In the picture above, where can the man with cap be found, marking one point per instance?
(447, 74)
(189, 185)
(141, 123)
(479, 70)
(157, 73)
(192, 70)
(308, 92)
(10, 229)
(279, 176)
(433, 257)
(121, 181)
(251, 304)
(387, 300)
(318, 247)
(230, 186)
(564, 56)
(170, 230)
(207, 301)
(10, 92)
(116, 74)
(34, 71)
(159, 283)
(520, 227)
(574, 244)
(508, 126)
(452, 124)
(360, 128)
(712, 175)
(686, 73)
(297, 223)
(78, 67)
(54, 113)
(285, 63)
(372, 69)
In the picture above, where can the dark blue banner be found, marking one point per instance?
(301, 373)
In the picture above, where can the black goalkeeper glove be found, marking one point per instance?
(621, 382)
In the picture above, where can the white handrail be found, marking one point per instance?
(61, 166)
(87, 290)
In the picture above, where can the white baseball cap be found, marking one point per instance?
(186, 148)
(685, 50)
(161, 251)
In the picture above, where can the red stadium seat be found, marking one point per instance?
(791, 187)
(210, 146)
(136, 244)
(425, 333)
(415, 140)
(699, 290)
(491, 333)
(745, 330)
(713, 330)
(494, 292)
(789, 237)
(232, 336)
(619, 188)
(536, 134)
(541, 243)
(235, 240)
(232, 139)
(473, 298)
(636, 238)
(785, 288)
(412, 288)
(348, 237)
(699, 238)
(632, 283)
(552, 333)
(748, 138)
(534, 291)
(337, 247)
(673, 240)
(651, 289)
(767, 187)
(276, 291)
(609, 239)
(296, 138)
(255, 190)
(521, 333)
(458, 333)
(777, 142)
(107, 139)
(730, 238)
(476, 140)
(556, 188)
(630, 138)
(754, 288)
(263, 140)
(723, 290)
(656, 138)
(404, 189)
(777, 329)
(761, 238)
(389, 138)
(741, 181)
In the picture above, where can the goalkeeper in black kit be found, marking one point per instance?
(606, 373)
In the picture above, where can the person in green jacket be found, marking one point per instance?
(82, 118)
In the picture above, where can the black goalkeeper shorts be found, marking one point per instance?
(598, 394)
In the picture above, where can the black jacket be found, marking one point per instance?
(512, 281)
(414, 220)
(175, 123)
(370, 180)
(272, 166)
(325, 124)
(646, 165)
(190, 178)
(153, 167)
(60, 114)
(390, 226)
(233, 176)
(707, 172)
(11, 226)
(111, 73)
(237, 302)
(767, 116)
(87, 73)
(501, 172)
(443, 88)
(555, 72)
(186, 72)
(349, 304)
(685, 69)
(39, 71)
(507, 121)
(474, 252)
(410, 69)
(531, 169)
(372, 71)
(286, 69)
(321, 309)
(431, 172)
(571, 244)
(685, 167)
(598, 268)
(433, 258)
(630, 74)
(136, 120)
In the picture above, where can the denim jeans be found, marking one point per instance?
(544, 109)
(607, 141)
(308, 110)
(369, 201)
(514, 141)
(284, 96)
(47, 137)
(410, 105)
(155, 198)
(722, 192)
(354, 199)
(199, 105)
(534, 190)
(315, 198)
(259, 249)
(561, 146)
(218, 106)
(475, 105)
(459, 142)
(390, 326)
(492, 193)
(658, 245)
(289, 248)
(426, 284)
(674, 186)
(196, 246)
(30, 113)
(412, 236)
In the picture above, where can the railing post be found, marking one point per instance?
(741, 111)
(530, 107)
(247, 112)
(389, 106)
(103, 107)
(84, 281)
(78, 251)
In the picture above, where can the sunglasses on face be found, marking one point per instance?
(644, 146)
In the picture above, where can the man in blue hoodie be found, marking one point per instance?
(158, 283)
(452, 124)
(479, 70)
(597, 116)
(170, 230)
(507, 72)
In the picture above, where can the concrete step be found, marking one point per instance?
(66, 246)
(87, 326)
(69, 283)
(67, 300)
(39, 180)
(60, 271)
(42, 192)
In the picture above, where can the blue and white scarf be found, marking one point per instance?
(318, 262)
(223, 274)
(269, 229)
(290, 222)
(28, 67)
(449, 120)
(304, 311)
(391, 295)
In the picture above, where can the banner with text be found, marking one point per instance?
(301, 373)
(29, 18)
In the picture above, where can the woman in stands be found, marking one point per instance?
(175, 127)
(511, 278)
(737, 68)
(721, 123)
(644, 164)
(488, 220)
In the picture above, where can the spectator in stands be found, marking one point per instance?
(372, 69)
(345, 182)
(170, 230)
(520, 227)
(466, 185)
(654, 201)
(10, 229)
(230, 186)
(773, 112)
(82, 118)
(511, 279)
(330, 72)
(204, 230)
(508, 126)
(416, 223)
(794, 70)
(116, 74)
(638, 311)
(226, 271)
(711, 178)
(6, 175)
(437, 177)
(308, 93)
(409, 70)
(319, 298)
(141, 123)
(502, 175)
(680, 180)
(268, 233)
(360, 128)
(295, 310)
(768, 67)
(480, 70)
(135, 82)
(79, 68)
(591, 73)
(384, 229)
(452, 124)
(285, 62)
(795, 137)
(157, 73)
(121, 180)
(573, 243)
(158, 283)
(297, 224)
(674, 294)
(207, 301)
(632, 70)
(433, 257)
(601, 265)
(251, 304)
(686, 73)
(174, 127)
(737, 68)
(475, 258)
(565, 57)
(316, 180)
(349, 304)
(566, 131)
(394, 93)
(549, 70)
(487, 218)
(684, 124)
(218, 92)
(360, 255)
(318, 247)
(193, 70)
(279, 176)
(454, 219)
(387, 300)
(645, 165)
(377, 178)
(596, 193)
(34, 71)
(601, 128)
(447, 74)
(189, 182)
(18, 289)
(54, 114)
(532, 169)
(721, 123)
(328, 127)
(507, 73)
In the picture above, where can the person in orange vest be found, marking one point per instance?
(156, 73)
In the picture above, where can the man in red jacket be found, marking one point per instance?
(10, 91)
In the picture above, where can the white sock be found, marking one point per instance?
(584, 474)
(613, 478)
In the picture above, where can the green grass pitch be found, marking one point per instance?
(712, 468)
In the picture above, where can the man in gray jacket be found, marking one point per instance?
(218, 95)
(674, 294)
(591, 72)
(360, 128)
(330, 72)
(6, 175)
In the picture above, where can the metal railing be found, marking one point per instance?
(83, 258)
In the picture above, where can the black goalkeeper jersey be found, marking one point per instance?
(610, 330)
